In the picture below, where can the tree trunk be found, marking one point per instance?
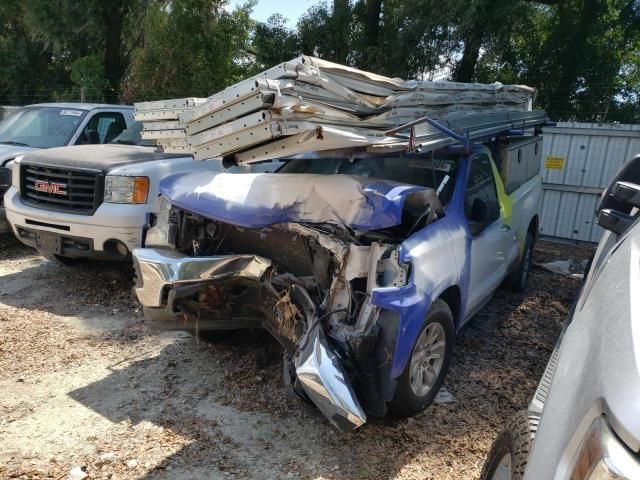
(372, 26)
(113, 14)
(569, 63)
(466, 67)
(342, 25)
(372, 30)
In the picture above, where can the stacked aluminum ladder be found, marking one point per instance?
(161, 122)
(309, 104)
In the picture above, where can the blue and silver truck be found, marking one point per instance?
(363, 266)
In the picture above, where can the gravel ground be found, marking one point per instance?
(85, 385)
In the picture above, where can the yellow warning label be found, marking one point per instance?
(554, 163)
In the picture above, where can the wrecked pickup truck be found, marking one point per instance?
(362, 265)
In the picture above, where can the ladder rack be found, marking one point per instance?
(310, 105)
(429, 135)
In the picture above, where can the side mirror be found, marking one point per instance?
(615, 221)
(482, 214)
(627, 192)
(627, 195)
(479, 211)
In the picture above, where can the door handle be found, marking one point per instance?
(505, 228)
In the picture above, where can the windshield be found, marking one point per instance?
(425, 171)
(41, 127)
(131, 136)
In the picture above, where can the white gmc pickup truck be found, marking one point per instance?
(91, 201)
(50, 125)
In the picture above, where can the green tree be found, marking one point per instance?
(87, 30)
(273, 42)
(190, 48)
(583, 56)
(29, 69)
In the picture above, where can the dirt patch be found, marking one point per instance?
(86, 384)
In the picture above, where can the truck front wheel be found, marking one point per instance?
(430, 357)
(509, 453)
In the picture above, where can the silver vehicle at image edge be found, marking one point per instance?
(584, 419)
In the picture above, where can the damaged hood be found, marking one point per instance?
(262, 199)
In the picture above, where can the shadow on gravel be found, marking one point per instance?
(11, 248)
(44, 285)
(228, 399)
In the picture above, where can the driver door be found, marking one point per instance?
(490, 237)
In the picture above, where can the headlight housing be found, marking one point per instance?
(15, 172)
(164, 231)
(602, 456)
(124, 189)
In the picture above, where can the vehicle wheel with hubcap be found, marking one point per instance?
(509, 453)
(519, 279)
(430, 357)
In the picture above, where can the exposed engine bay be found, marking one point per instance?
(309, 285)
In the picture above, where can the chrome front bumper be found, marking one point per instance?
(321, 375)
(158, 270)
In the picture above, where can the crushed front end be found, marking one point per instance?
(309, 283)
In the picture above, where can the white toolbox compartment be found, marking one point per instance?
(520, 160)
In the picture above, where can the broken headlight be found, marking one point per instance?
(163, 230)
(391, 272)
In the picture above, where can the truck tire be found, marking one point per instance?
(519, 278)
(428, 364)
(507, 459)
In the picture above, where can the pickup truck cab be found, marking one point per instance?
(363, 266)
(50, 125)
(90, 201)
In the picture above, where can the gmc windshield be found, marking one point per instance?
(41, 127)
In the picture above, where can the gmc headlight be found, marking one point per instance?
(602, 456)
(15, 172)
(121, 189)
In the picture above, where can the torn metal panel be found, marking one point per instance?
(323, 379)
